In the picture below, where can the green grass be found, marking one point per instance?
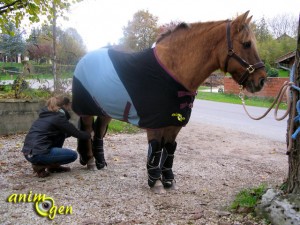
(283, 73)
(234, 99)
(248, 198)
(4, 77)
(116, 126)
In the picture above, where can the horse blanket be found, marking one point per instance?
(132, 87)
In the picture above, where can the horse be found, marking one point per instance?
(154, 89)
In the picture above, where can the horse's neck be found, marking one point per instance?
(194, 57)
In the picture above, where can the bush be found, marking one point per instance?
(19, 85)
(42, 69)
(267, 67)
(11, 68)
(47, 69)
(272, 72)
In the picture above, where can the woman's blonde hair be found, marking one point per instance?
(55, 103)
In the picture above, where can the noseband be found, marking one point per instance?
(249, 68)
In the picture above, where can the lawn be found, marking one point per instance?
(234, 99)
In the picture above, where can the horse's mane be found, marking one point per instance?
(180, 26)
(185, 26)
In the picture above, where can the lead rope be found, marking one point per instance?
(285, 89)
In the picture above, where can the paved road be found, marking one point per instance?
(233, 116)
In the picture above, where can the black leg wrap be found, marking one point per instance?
(156, 158)
(167, 173)
(98, 153)
(82, 146)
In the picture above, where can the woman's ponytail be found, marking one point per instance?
(54, 103)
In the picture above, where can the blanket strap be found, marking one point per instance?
(186, 93)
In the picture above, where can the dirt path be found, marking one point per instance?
(211, 165)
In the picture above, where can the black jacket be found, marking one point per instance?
(47, 129)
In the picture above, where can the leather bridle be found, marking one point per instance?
(231, 54)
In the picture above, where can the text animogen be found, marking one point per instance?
(44, 205)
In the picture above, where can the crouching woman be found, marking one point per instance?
(43, 146)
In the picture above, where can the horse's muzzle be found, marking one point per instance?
(252, 87)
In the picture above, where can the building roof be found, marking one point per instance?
(286, 56)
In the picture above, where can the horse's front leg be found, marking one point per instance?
(162, 146)
(155, 160)
(170, 145)
(100, 128)
(84, 147)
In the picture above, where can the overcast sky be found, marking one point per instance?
(100, 22)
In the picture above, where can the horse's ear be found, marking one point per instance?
(249, 20)
(241, 20)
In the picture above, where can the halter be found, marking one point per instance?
(249, 68)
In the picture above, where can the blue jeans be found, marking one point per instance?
(55, 156)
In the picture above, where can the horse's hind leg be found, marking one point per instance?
(84, 147)
(100, 128)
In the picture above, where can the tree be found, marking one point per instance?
(283, 24)
(271, 49)
(70, 47)
(261, 30)
(39, 45)
(293, 181)
(141, 32)
(12, 45)
(270, 46)
(15, 11)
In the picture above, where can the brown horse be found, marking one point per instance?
(188, 55)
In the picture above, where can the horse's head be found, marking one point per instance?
(242, 60)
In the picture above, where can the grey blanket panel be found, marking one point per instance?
(97, 74)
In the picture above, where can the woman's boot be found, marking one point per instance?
(56, 168)
(40, 170)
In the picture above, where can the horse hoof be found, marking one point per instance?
(172, 187)
(91, 164)
(100, 165)
(82, 161)
(91, 167)
(158, 188)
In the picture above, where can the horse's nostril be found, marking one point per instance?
(261, 82)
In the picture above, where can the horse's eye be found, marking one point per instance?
(247, 44)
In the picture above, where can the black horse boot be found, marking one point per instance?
(156, 158)
(98, 153)
(82, 146)
(167, 173)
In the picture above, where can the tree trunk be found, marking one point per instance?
(54, 69)
(293, 181)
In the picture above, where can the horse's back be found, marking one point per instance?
(97, 88)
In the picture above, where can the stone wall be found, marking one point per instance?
(18, 115)
(270, 89)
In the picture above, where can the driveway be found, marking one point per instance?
(233, 116)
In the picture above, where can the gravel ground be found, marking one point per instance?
(211, 165)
